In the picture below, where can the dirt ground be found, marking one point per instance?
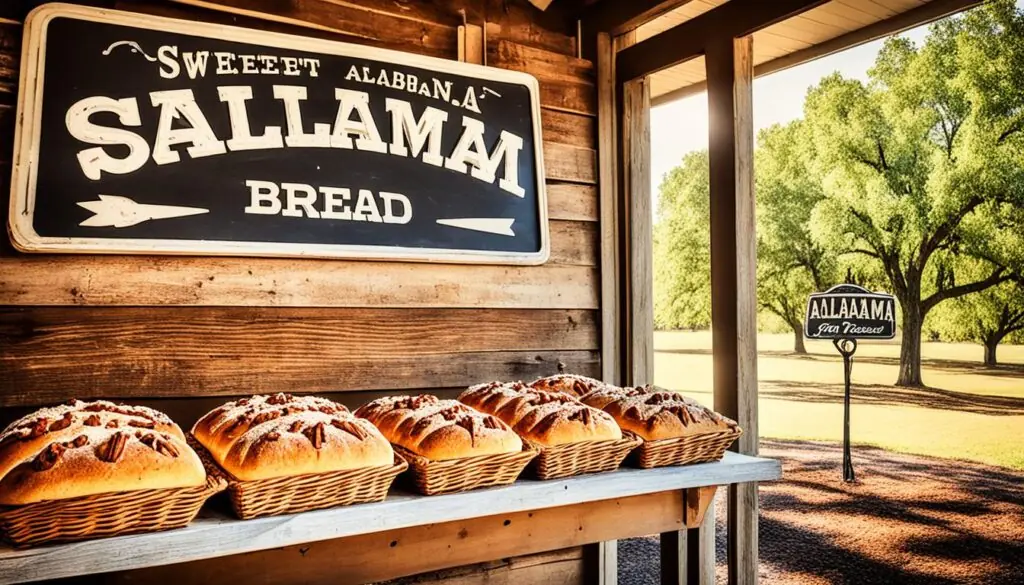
(908, 520)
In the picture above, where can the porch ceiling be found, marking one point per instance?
(821, 31)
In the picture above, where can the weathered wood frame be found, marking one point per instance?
(722, 36)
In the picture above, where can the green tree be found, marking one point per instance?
(790, 263)
(918, 161)
(682, 247)
(989, 317)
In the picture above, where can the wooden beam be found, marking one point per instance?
(636, 143)
(214, 535)
(690, 39)
(617, 17)
(471, 44)
(924, 14)
(730, 75)
(674, 557)
(685, 554)
(607, 161)
(704, 551)
(403, 552)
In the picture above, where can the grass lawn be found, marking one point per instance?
(968, 412)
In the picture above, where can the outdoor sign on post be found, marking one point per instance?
(140, 134)
(844, 314)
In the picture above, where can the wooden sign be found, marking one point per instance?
(848, 311)
(140, 134)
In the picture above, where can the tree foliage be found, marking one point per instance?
(989, 317)
(911, 181)
(682, 247)
(919, 161)
(791, 264)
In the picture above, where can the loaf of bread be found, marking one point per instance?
(570, 384)
(85, 448)
(439, 429)
(654, 413)
(546, 418)
(283, 435)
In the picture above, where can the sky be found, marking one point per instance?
(682, 126)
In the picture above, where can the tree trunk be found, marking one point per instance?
(990, 350)
(910, 348)
(798, 338)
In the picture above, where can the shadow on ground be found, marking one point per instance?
(907, 520)
(882, 395)
(949, 366)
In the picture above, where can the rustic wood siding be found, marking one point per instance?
(154, 328)
(184, 334)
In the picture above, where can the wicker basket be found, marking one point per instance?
(579, 458)
(684, 450)
(431, 477)
(302, 493)
(102, 515)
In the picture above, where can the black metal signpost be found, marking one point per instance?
(844, 314)
(140, 134)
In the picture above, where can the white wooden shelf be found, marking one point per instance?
(216, 535)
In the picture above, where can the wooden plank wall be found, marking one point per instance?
(160, 329)
(183, 334)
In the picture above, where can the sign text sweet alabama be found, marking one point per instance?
(852, 312)
(150, 135)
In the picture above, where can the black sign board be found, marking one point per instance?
(140, 134)
(848, 311)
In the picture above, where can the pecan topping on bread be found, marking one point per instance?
(62, 423)
(315, 434)
(48, 457)
(38, 429)
(351, 428)
(656, 414)
(548, 418)
(279, 399)
(570, 384)
(430, 427)
(68, 441)
(265, 416)
(258, 437)
(161, 445)
(112, 450)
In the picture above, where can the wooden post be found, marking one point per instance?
(606, 553)
(706, 548)
(636, 144)
(607, 162)
(471, 44)
(733, 277)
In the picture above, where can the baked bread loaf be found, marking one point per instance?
(85, 448)
(547, 418)
(655, 413)
(439, 429)
(282, 435)
(570, 384)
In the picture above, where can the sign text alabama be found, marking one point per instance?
(848, 311)
(141, 134)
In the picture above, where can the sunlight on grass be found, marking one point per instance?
(969, 412)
